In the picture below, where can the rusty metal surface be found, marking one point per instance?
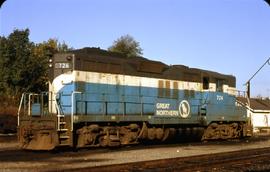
(217, 131)
(37, 133)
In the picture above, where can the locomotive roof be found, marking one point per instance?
(98, 60)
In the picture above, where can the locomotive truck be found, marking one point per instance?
(99, 98)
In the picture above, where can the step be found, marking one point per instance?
(64, 137)
(64, 144)
(62, 129)
(203, 111)
(62, 122)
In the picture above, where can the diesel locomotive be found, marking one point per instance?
(99, 98)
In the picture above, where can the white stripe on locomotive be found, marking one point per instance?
(117, 79)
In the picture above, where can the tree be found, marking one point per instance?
(41, 54)
(15, 55)
(24, 64)
(126, 45)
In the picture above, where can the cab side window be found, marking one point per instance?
(205, 83)
(219, 85)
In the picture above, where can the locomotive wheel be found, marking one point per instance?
(103, 141)
(222, 131)
(151, 133)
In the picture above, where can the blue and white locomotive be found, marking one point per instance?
(98, 98)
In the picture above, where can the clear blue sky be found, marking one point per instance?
(227, 36)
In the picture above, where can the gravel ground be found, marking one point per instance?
(14, 159)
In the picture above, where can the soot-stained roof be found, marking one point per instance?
(256, 103)
(98, 60)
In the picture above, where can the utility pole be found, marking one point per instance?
(1, 2)
(248, 82)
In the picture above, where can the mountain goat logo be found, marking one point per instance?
(184, 109)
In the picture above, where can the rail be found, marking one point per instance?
(29, 99)
(237, 93)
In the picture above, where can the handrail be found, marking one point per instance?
(20, 106)
(120, 102)
(29, 102)
(72, 106)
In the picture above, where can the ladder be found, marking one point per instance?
(64, 134)
(202, 111)
(63, 131)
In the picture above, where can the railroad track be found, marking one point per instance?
(104, 159)
(246, 160)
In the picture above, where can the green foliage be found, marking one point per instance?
(15, 55)
(41, 54)
(126, 45)
(24, 65)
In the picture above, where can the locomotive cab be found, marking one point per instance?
(42, 124)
